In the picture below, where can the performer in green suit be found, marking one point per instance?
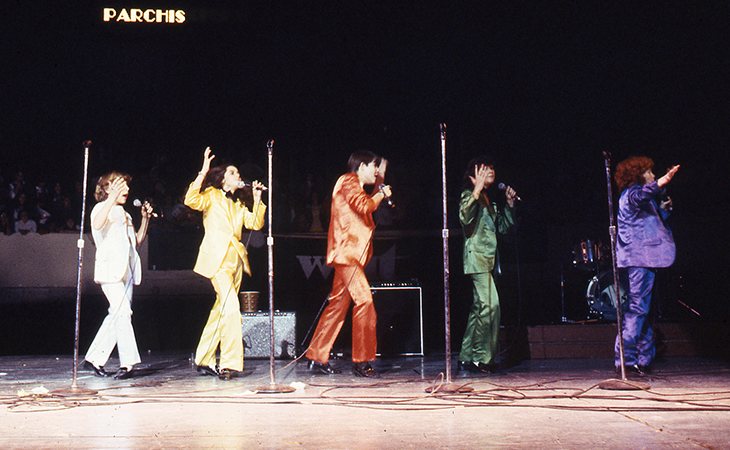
(481, 220)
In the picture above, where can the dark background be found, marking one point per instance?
(543, 87)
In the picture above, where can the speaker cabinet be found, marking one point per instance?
(400, 319)
(256, 330)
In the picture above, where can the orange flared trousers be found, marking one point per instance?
(349, 283)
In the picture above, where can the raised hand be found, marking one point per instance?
(479, 179)
(207, 158)
(117, 188)
(663, 181)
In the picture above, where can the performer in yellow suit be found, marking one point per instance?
(349, 249)
(217, 192)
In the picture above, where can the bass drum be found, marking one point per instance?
(601, 297)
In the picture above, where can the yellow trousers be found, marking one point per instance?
(224, 326)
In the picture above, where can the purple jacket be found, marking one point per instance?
(644, 240)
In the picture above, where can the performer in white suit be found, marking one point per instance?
(117, 269)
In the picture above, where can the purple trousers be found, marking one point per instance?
(637, 333)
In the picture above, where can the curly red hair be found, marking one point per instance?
(630, 171)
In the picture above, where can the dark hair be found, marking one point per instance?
(100, 192)
(215, 177)
(630, 171)
(469, 172)
(361, 157)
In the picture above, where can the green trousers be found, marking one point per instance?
(482, 327)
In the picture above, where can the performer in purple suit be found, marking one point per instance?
(644, 244)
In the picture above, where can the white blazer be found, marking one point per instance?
(116, 247)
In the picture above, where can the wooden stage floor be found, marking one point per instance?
(548, 403)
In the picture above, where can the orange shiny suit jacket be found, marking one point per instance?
(223, 220)
(349, 239)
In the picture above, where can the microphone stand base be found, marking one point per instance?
(74, 391)
(614, 384)
(273, 388)
(449, 388)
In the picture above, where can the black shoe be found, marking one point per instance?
(225, 374)
(631, 370)
(123, 373)
(636, 370)
(322, 369)
(364, 369)
(99, 371)
(486, 368)
(206, 370)
(645, 369)
(476, 367)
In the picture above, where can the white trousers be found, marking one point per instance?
(116, 330)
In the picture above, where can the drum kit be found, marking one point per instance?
(593, 258)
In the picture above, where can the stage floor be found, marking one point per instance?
(538, 404)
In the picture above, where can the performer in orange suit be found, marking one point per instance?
(349, 249)
(223, 259)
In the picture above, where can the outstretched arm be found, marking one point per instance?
(663, 181)
(193, 199)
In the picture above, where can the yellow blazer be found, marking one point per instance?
(223, 220)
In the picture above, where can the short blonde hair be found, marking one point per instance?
(105, 180)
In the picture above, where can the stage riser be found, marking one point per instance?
(597, 340)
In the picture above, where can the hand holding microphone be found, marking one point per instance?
(385, 190)
(254, 186)
(145, 207)
(510, 193)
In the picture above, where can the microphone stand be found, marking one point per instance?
(272, 387)
(447, 385)
(75, 389)
(614, 384)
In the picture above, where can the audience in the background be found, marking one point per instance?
(53, 203)
(27, 205)
(5, 226)
(25, 224)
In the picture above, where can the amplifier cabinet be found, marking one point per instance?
(256, 334)
(400, 320)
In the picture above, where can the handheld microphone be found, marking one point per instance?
(503, 187)
(387, 198)
(243, 184)
(137, 203)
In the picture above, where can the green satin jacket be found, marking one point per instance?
(481, 223)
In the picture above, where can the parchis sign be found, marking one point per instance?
(144, 15)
